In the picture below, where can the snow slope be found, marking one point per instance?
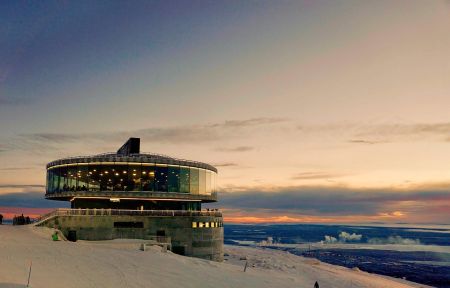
(120, 263)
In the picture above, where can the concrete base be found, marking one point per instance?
(204, 241)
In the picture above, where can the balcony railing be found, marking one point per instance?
(123, 212)
(134, 194)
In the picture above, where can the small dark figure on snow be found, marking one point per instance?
(316, 285)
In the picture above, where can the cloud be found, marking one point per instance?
(394, 240)
(314, 175)
(53, 137)
(362, 141)
(31, 199)
(339, 201)
(383, 133)
(347, 237)
(408, 131)
(15, 168)
(249, 122)
(236, 149)
(329, 240)
(226, 164)
(190, 134)
(22, 186)
(343, 238)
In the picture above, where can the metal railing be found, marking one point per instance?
(134, 194)
(123, 212)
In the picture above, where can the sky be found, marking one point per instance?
(312, 111)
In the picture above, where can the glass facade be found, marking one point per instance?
(110, 176)
(173, 179)
(193, 181)
(148, 177)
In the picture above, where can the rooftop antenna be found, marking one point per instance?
(132, 146)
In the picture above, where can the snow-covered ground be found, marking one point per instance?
(120, 263)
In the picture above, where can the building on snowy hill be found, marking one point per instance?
(129, 194)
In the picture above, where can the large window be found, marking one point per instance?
(108, 176)
(148, 177)
(63, 179)
(134, 177)
(213, 182)
(194, 181)
(173, 179)
(94, 177)
(184, 179)
(53, 180)
(72, 177)
(208, 182)
(161, 178)
(201, 181)
(83, 178)
(119, 177)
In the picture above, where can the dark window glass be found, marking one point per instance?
(184, 180)
(72, 177)
(161, 178)
(174, 179)
(134, 177)
(103, 177)
(119, 176)
(49, 183)
(148, 178)
(202, 181)
(63, 180)
(194, 181)
(83, 178)
(128, 224)
(55, 180)
(94, 177)
(106, 181)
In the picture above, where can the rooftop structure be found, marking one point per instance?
(129, 179)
